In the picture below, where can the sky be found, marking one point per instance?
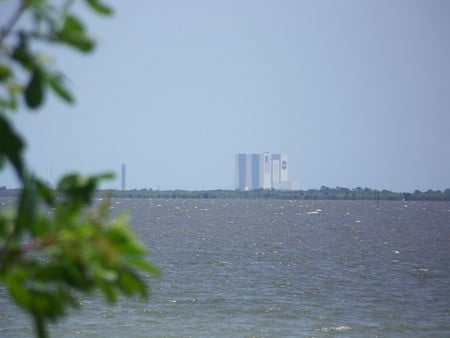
(357, 93)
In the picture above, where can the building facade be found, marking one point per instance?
(262, 171)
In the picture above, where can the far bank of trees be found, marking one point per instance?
(324, 193)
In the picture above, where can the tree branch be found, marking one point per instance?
(10, 25)
(38, 244)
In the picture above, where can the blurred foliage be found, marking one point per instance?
(56, 244)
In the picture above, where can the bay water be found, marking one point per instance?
(276, 268)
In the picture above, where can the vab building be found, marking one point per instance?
(263, 171)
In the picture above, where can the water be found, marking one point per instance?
(269, 268)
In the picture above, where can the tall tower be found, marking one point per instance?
(123, 176)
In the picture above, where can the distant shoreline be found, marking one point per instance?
(324, 193)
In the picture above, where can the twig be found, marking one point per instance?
(39, 244)
(15, 17)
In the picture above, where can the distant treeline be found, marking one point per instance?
(324, 193)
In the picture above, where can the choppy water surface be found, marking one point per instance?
(260, 268)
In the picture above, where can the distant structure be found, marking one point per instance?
(123, 177)
(262, 171)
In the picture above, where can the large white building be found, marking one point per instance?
(262, 171)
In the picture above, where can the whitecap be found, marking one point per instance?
(335, 328)
(419, 270)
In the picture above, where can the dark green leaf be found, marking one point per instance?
(40, 226)
(104, 176)
(74, 34)
(21, 52)
(27, 206)
(6, 226)
(130, 283)
(80, 41)
(108, 291)
(73, 24)
(16, 288)
(39, 324)
(142, 264)
(5, 72)
(11, 146)
(56, 84)
(80, 188)
(45, 191)
(34, 92)
(99, 7)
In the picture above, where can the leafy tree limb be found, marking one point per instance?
(56, 244)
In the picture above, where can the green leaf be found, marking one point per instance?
(40, 226)
(73, 24)
(27, 206)
(77, 187)
(11, 146)
(142, 264)
(80, 41)
(34, 92)
(104, 176)
(39, 324)
(21, 52)
(73, 33)
(130, 283)
(108, 290)
(15, 282)
(99, 7)
(5, 72)
(6, 224)
(55, 83)
(45, 191)
(81, 188)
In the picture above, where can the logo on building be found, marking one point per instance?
(284, 165)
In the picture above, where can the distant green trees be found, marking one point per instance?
(324, 193)
(55, 244)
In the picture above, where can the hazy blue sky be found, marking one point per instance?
(357, 93)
